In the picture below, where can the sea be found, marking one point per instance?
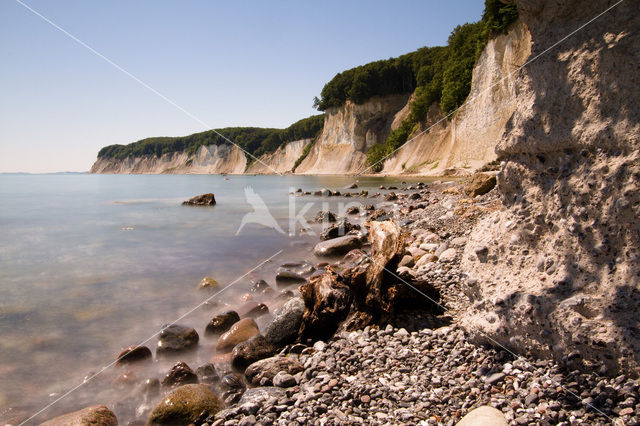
(91, 264)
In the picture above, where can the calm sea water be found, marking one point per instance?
(90, 264)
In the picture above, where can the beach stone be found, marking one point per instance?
(449, 255)
(184, 405)
(352, 210)
(207, 373)
(208, 283)
(239, 332)
(94, 415)
(263, 371)
(324, 192)
(261, 287)
(284, 380)
(480, 184)
(286, 323)
(407, 260)
(180, 374)
(201, 200)
(483, 416)
(416, 252)
(352, 186)
(222, 323)
(391, 197)
(253, 310)
(427, 258)
(338, 230)
(260, 395)
(294, 273)
(250, 351)
(325, 216)
(337, 246)
(176, 339)
(134, 354)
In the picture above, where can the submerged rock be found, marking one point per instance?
(250, 351)
(176, 339)
(222, 323)
(201, 200)
(94, 415)
(180, 374)
(337, 246)
(208, 283)
(184, 405)
(134, 354)
(239, 332)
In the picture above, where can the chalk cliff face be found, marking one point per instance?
(558, 271)
(280, 161)
(208, 159)
(349, 131)
(467, 141)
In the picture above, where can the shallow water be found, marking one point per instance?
(90, 264)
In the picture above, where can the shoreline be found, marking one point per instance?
(385, 373)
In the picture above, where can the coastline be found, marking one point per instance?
(419, 368)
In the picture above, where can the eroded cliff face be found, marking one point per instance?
(558, 271)
(349, 131)
(467, 141)
(207, 160)
(280, 161)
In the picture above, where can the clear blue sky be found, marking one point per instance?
(231, 63)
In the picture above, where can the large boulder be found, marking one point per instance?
(286, 324)
(97, 415)
(175, 339)
(262, 372)
(184, 405)
(201, 200)
(250, 351)
(483, 416)
(337, 246)
(239, 332)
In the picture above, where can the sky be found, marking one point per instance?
(227, 63)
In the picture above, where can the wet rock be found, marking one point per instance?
(180, 374)
(338, 230)
(286, 323)
(352, 186)
(261, 287)
(325, 216)
(250, 351)
(391, 197)
(337, 246)
(284, 380)
(263, 371)
(352, 210)
(232, 382)
(207, 374)
(184, 405)
(324, 192)
(208, 283)
(94, 415)
(480, 184)
(150, 388)
(253, 310)
(239, 332)
(201, 200)
(222, 323)
(134, 354)
(176, 339)
(327, 302)
(483, 416)
(294, 273)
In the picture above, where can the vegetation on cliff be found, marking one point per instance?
(254, 140)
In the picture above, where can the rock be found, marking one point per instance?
(325, 216)
(250, 351)
(263, 371)
(429, 247)
(337, 246)
(406, 260)
(284, 380)
(294, 273)
(326, 192)
(449, 255)
(239, 332)
(94, 415)
(252, 310)
(150, 388)
(180, 374)
(391, 197)
(207, 374)
(416, 252)
(261, 287)
(425, 259)
(261, 394)
(134, 354)
(459, 241)
(483, 416)
(327, 302)
(338, 230)
(352, 186)
(184, 405)
(175, 339)
(480, 184)
(208, 283)
(201, 200)
(222, 323)
(286, 323)
(352, 210)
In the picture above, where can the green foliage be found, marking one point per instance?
(254, 140)
(444, 73)
(305, 152)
